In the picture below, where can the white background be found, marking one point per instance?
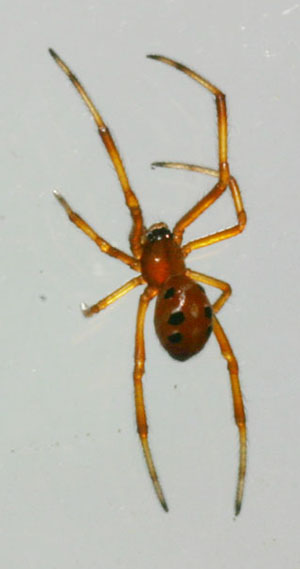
(74, 491)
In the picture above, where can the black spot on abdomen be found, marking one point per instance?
(170, 292)
(176, 318)
(208, 311)
(209, 331)
(175, 338)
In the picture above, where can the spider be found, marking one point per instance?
(184, 317)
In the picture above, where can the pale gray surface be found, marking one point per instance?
(74, 489)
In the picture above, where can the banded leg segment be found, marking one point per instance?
(223, 172)
(225, 287)
(139, 369)
(130, 197)
(209, 200)
(239, 412)
(100, 242)
(127, 287)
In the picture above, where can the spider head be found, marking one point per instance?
(157, 232)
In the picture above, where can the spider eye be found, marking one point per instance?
(158, 234)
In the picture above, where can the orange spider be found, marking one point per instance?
(184, 317)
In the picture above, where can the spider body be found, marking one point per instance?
(184, 317)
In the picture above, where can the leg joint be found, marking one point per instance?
(242, 217)
(139, 368)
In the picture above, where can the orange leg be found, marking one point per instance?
(223, 172)
(239, 412)
(102, 244)
(130, 198)
(225, 233)
(127, 287)
(225, 287)
(208, 200)
(139, 369)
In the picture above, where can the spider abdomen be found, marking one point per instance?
(183, 317)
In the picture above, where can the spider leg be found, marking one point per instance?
(239, 412)
(100, 242)
(184, 166)
(225, 233)
(212, 281)
(139, 369)
(223, 172)
(237, 200)
(112, 297)
(130, 197)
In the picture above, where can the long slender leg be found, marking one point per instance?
(225, 287)
(130, 197)
(102, 244)
(239, 412)
(237, 200)
(139, 369)
(104, 302)
(197, 210)
(225, 233)
(223, 172)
